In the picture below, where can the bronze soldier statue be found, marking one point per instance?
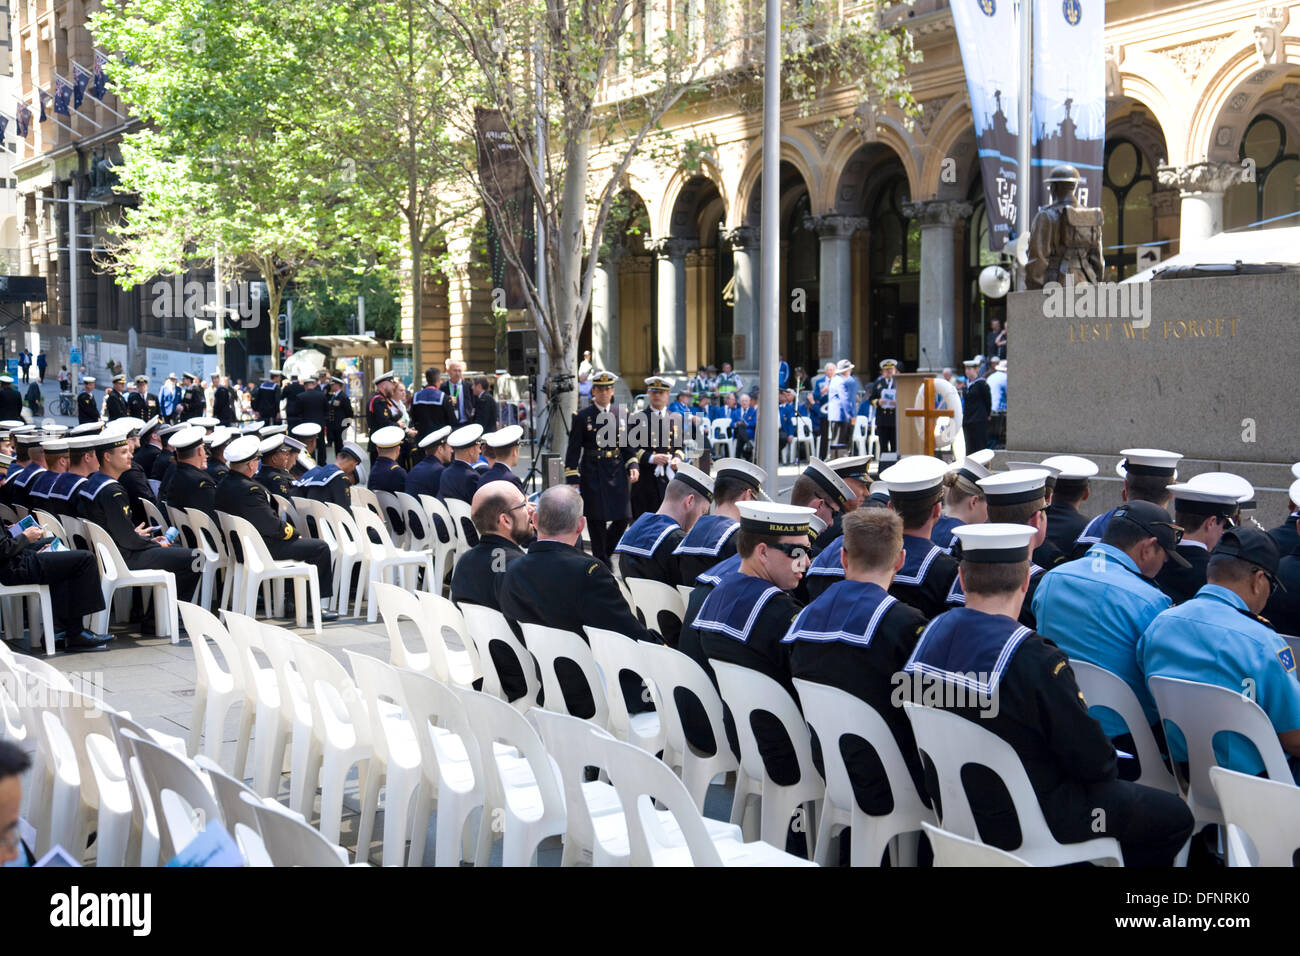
(1065, 238)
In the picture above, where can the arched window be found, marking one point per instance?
(1276, 189)
(1126, 207)
(895, 239)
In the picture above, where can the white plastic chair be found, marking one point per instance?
(52, 525)
(238, 815)
(639, 778)
(1200, 711)
(673, 673)
(861, 431)
(746, 691)
(318, 523)
(272, 724)
(443, 538)
(106, 805)
(216, 689)
(1101, 688)
(530, 798)
(212, 560)
(61, 806)
(213, 543)
(115, 576)
(40, 612)
(953, 850)
(833, 714)
(804, 441)
(295, 710)
(385, 557)
(154, 515)
(551, 644)
(350, 558)
(951, 742)
(615, 653)
(289, 841)
(430, 613)
(721, 437)
(1265, 812)
(144, 818)
(395, 762)
(258, 568)
(180, 796)
(419, 534)
(359, 494)
(484, 625)
(341, 727)
(653, 597)
(391, 513)
(460, 517)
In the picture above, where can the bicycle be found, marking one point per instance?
(66, 405)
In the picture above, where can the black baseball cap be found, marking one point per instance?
(1155, 521)
(1253, 546)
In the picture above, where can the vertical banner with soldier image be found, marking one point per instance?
(504, 173)
(1069, 95)
(989, 39)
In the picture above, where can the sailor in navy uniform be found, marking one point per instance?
(963, 502)
(1045, 555)
(884, 396)
(688, 642)
(115, 400)
(461, 479)
(430, 409)
(273, 474)
(386, 474)
(502, 450)
(602, 465)
(1147, 474)
(1285, 535)
(331, 482)
(658, 441)
(19, 486)
(56, 463)
(713, 537)
(745, 618)
(192, 486)
(103, 500)
(857, 637)
(1019, 497)
(240, 495)
(821, 489)
(1025, 692)
(381, 410)
(59, 501)
(223, 401)
(1064, 522)
(215, 442)
(266, 403)
(150, 445)
(196, 403)
(647, 546)
(915, 489)
(142, 403)
(87, 407)
(308, 435)
(557, 585)
(425, 477)
(338, 411)
(1284, 606)
(1204, 511)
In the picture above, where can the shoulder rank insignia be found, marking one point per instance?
(594, 566)
(1287, 658)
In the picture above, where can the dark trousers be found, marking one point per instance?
(182, 562)
(977, 435)
(1151, 825)
(604, 536)
(73, 580)
(885, 430)
(310, 551)
(336, 439)
(842, 435)
(822, 440)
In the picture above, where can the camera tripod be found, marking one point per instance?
(549, 411)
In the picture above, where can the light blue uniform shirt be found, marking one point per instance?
(1095, 609)
(839, 409)
(1211, 641)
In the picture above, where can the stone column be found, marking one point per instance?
(1202, 186)
(672, 302)
(746, 256)
(938, 307)
(836, 274)
(604, 310)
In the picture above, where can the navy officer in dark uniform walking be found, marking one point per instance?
(87, 407)
(142, 403)
(115, 406)
(1025, 692)
(602, 465)
(239, 494)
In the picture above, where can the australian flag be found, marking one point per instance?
(100, 83)
(81, 78)
(62, 95)
(22, 120)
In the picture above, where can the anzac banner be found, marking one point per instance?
(510, 214)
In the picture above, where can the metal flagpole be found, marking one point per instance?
(769, 321)
(72, 279)
(74, 108)
(1024, 150)
(51, 115)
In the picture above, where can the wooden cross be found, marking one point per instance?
(930, 414)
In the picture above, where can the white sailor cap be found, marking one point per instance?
(741, 470)
(294, 445)
(242, 449)
(390, 436)
(120, 377)
(389, 376)
(255, 428)
(658, 383)
(87, 380)
(853, 467)
(50, 428)
(1148, 461)
(1071, 467)
(82, 442)
(697, 480)
(1228, 483)
(6, 461)
(186, 437)
(971, 468)
(832, 484)
(6, 379)
(1015, 487)
(19, 423)
(602, 378)
(914, 478)
(131, 424)
(270, 444)
(305, 430)
(769, 517)
(994, 543)
(1207, 498)
(1294, 491)
(504, 437)
(1052, 470)
(816, 526)
(149, 426)
(435, 436)
(54, 446)
(29, 436)
(219, 436)
(189, 375)
(355, 450)
(266, 431)
(205, 421)
(465, 436)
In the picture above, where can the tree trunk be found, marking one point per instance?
(274, 293)
(417, 304)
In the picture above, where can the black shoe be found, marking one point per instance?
(329, 615)
(83, 640)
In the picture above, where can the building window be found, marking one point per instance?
(1126, 207)
(895, 239)
(1276, 189)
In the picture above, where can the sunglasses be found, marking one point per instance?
(795, 551)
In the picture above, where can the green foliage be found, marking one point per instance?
(326, 301)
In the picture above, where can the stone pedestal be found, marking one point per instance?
(937, 219)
